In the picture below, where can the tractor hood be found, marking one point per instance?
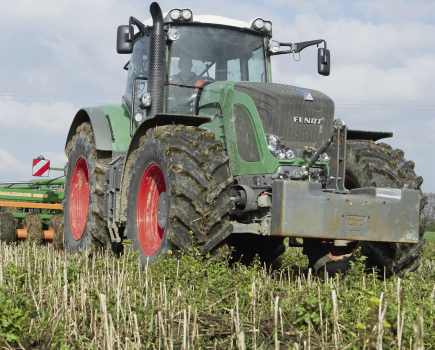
(299, 117)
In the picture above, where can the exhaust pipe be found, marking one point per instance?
(156, 61)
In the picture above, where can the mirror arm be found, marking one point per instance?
(142, 28)
(298, 47)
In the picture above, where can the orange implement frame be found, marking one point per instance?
(57, 206)
(47, 234)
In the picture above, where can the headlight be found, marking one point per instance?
(258, 24)
(290, 154)
(278, 149)
(274, 46)
(187, 15)
(173, 34)
(267, 26)
(138, 117)
(279, 153)
(175, 15)
(146, 100)
(324, 158)
(272, 142)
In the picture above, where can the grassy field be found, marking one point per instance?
(95, 301)
(429, 236)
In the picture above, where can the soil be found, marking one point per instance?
(35, 233)
(7, 228)
(57, 223)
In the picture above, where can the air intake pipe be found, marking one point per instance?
(156, 61)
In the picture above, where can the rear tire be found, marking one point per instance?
(8, 228)
(377, 165)
(84, 225)
(178, 193)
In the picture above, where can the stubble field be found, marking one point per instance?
(51, 299)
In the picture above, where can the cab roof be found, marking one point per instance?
(208, 19)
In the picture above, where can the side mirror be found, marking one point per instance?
(124, 39)
(323, 62)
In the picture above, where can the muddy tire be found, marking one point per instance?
(247, 246)
(7, 228)
(57, 223)
(377, 165)
(84, 225)
(178, 193)
(35, 234)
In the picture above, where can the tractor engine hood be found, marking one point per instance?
(299, 117)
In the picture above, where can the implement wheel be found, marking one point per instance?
(33, 224)
(84, 226)
(377, 165)
(7, 228)
(178, 193)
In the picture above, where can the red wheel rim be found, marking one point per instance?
(151, 188)
(79, 198)
(342, 253)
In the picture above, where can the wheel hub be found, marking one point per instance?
(161, 210)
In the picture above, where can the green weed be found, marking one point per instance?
(96, 301)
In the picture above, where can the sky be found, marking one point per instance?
(59, 56)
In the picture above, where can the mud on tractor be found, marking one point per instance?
(32, 210)
(205, 150)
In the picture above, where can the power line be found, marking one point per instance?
(57, 93)
(401, 101)
(389, 109)
(373, 104)
(88, 98)
(84, 93)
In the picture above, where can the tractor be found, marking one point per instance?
(206, 151)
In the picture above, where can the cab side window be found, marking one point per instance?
(138, 67)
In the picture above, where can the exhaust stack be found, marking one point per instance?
(156, 61)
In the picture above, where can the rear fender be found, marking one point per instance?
(108, 137)
(100, 127)
(368, 135)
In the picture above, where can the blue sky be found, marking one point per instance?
(58, 56)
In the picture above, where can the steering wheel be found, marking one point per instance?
(206, 78)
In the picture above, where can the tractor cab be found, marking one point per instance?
(199, 50)
(203, 54)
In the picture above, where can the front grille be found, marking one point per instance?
(279, 104)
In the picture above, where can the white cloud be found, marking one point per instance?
(381, 50)
(416, 10)
(10, 166)
(14, 169)
(37, 120)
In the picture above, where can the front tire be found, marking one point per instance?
(178, 193)
(84, 225)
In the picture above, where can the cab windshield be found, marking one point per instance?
(203, 55)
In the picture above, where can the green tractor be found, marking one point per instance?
(206, 151)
